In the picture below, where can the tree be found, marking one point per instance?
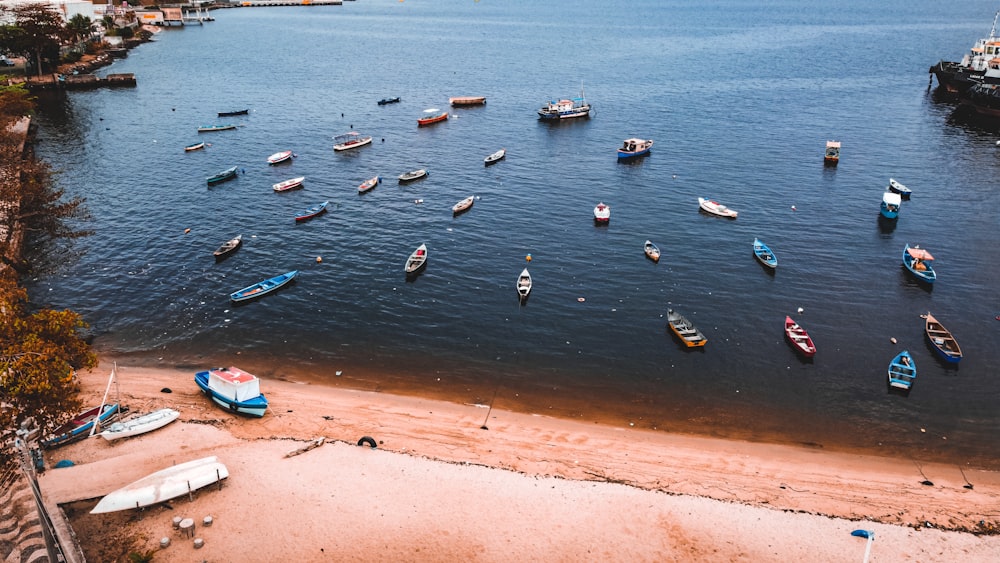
(37, 32)
(79, 26)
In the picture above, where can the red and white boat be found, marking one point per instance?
(602, 213)
(289, 184)
(432, 115)
(716, 208)
(279, 157)
(369, 184)
(799, 338)
(351, 140)
(467, 100)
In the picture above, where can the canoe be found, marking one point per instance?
(683, 329)
(463, 206)
(764, 254)
(524, 285)
(164, 485)
(194, 147)
(716, 208)
(602, 213)
(412, 175)
(416, 261)
(79, 426)
(369, 184)
(432, 115)
(918, 262)
(233, 389)
(651, 250)
(233, 113)
(467, 100)
(495, 157)
(279, 157)
(228, 247)
(263, 287)
(311, 212)
(386, 101)
(289, 184)
(799, 338)
(351, 140)
(900, 189)
(902, 371)
(211, 128)
(140, 424)
(942, 340)
(227, 174)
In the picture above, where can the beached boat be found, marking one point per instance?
(289, 184)
(495, 157)
(369, 184)
(764, 254)
(889, 208)
(140, 424)
(900, 189)
(467, 100)
(918, 262)
(166, 484)
(942, 340)
(566, 108)
(523, 285)
(832, 155)
(228, 247)
(799, 338)
(263, 287)
(194, 147)
(716, 208)
(80, 425)
(212, 128)
(416, 261)
(634, 147)
(351, 140)
(412, 175)
(312, 211)
(234, 112)
(902, 371)
(463, 206)
(683, 329)
(387, 101)
(432, 115)
(602, 213)
(227, 174)
(279, 157)
(233, 389)
(651, 250)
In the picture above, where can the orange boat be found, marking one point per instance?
(467, 100)
(432, 115)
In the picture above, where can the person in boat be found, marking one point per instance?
(919, 265)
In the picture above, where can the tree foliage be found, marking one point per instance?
(79, 26)
(37, 32)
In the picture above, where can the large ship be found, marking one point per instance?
(958, 77)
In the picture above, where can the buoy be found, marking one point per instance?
(528, 258)
(186, 231)
(893, 340)
(580, 299)
(801, 310)
(319, 259)
(793, 208)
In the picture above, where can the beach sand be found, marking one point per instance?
(440, 487)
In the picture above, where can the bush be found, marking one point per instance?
(72, 57)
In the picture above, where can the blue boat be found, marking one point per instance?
(312, 211)
(902, 371)
(890, 205)
(632, 148)
(942, 340)
(79, 426)
(764, 254)
(918, 262)
(233, 389)
(263, 288)
(227, 174)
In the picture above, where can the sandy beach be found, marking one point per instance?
(440, 487)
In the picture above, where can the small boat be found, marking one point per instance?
(233, 389)
(918, 262)
(350, 140)
(416, 261)
(602, 213)
(386, 101)
(900, 189)
(651, 250)
(80, 425)
(234, 113)
(689, 335)
(194, 147)
(716, 208)
(523, 285)
(279, 157)
(140, 424)
(799, 338)
(634, 147)
(263, 288)
(227, 174)
(832, 155)
(463, 205)
(289, 184)
(566, 108)
(467, 100)
(432, 115)
(412, 175)
(369, 184)
(495, 157)
(172, 482)
(890, 205)
(764, 254)
(902, 371)
(312, 211)
(228, 247)
(942, 340)
(211, 128)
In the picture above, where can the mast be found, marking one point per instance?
(100, 409)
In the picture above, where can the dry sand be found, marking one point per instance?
(532, 488)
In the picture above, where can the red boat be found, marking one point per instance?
(432, 115)
(799, 338)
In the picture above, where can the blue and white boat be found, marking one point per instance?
(312, 211)
(227, 174)
(764, 254)
(565, 108)
(264, 287)
(890, 205)
(918, 262)
(632, 148)
(942, 340)
(233, 389)
(900, 189)
(80, 425)
(902, 371)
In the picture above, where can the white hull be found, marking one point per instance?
(164, 485)
(352, 144)
(140, 425)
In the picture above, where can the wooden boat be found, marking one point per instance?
(902, 371)
(263, 287)
(289, 184)
(417, 260)
(832, 155)
(900, 189)
(369, 184)
(432, 115)
(942, 340)
(351, 140)
(227, 174)
(211, 128)
(889, 208)
(386, 101)
(412, 175)
(279, 157)
(566, 108)
(680, 326)
(651, 250)
(467, 100)
(228, 247)
(523, 285)
(194, 147)
(311, 212)
(140, 424)
(716, 208)
(799, 338)
(495, 157)
(463, 205)
(632, 148)
(764, 254)
(918, 262)
(602, 213)
(234, 113)
(172, 482)
(233, 389)
(80, 425)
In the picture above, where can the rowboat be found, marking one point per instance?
(80, 425)
(900, 189)
(918, 262)
(263, 287)
(523, 285)
(764, 254)
(311, 212)
(902, 371)
(194, 147)
(889, 208)
(350, 140)
(233, 389)
(495, 157)
(279, 157)
(463, 205)
(416, 261)
(680, 326)
(227, 174)
(290, 184)
(140, 424)
(228, 247)
(432, 115)
(386, 101)
(566, 108)
(467, 100)
(166, 484)
(412, 175)
(799, 338)
(651, 250)
(211, 128)
(234, 113)
(602, 213)
(634, 147)
(942, 340)
(832, 155)
(369, 184)
(716, 208)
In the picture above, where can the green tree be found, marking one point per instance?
(79, 26)
(37, 32)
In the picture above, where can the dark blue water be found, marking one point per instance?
(740, 98)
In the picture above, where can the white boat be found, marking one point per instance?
(602, 213)
(416, 261)
(369, 184)
(900, 189)
(164, 485)
(651, 250)
(289, 184)
(524, 284)
(412, 175)
(463, 205)
(495, 157)
(716, 208)
(279, 157)
(140, 424)
(350, 140)
(565, 108)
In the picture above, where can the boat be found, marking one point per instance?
(233, 389)
(211, 128)
(900, 189)
(764, 254)
(140, 424)
(463, 205)
(651, 250)
(942, 340)
(799, 338)
(632, 148)
(228, 247)
(412, 175)
(680, 326)
(369, 184)
(279, 157)
(161, 486)
(523, 285)
(432, 115)
(918, 262)
(386, 101)
(289, 184)
(350, 140)
(602, 213)
(234, 113)
(416, 261)
(889, 208)
(832, 155)
(902, 371)
(716, 208)
(566, 108)
(984, 99)
(495, 157)
(959, 77)
(227, 174)
(467, 100)
(194, 147)
(80, 425)
(263, 287)
(312, 211)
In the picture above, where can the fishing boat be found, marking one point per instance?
(161, 486)
(602, 213)
(959, 77)
(566, 108)
(683, 329)
(369, 184)
(80, 425)
(900, 189)
(902, 371)
(227, 174)
(140, 424)
(351, 140)
(263, 287)
(832, 155)
(523, 285)
(495, 157)
(432, 115)
(233, 389)
(234, 112)
(918, 262)
(194, 147)
(416, 261)
(463, 206)
(716, 208)
(312, 211)
(228, 247)
(289, 184)
(279, 157)
(632, 148)
(412, 175)
(467, 100)
(764, 254)
(889, 208)
(651, 250)
(211, 128)
(387, 101)
(942, 340)
(799, 338)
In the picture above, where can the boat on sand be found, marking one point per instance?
(140, 424)
(164, 485)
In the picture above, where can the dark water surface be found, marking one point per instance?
(740, 99)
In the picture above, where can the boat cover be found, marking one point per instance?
(892, 198)
(234, 383)
(919, 253)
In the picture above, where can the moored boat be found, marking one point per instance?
(387, 101)
(432, 115)
(716, 208)
(233, 389)
(312, 211)
(799, 338)
(234, 112)
(416, 261)
(918, 262)
(764, 254)
(959, 77)
(262, 288)
(602, 213)
(194, 147)
(351, 140)
(227, 174)
(683, 329)
(279, 157)
(495, 157)
(634, 147)
(651, 250)
(412, 175)
(369, 184)
(900, 189)
(942, 340)
(467, 100)
(463, 205)
(290, 184)
(211, 128)
(140, 424)
(565, 108)
(80, 425)
(832, 155)
(228, 247)
(902, 371)
(889, 208)
(163, 485)
(523, 285)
